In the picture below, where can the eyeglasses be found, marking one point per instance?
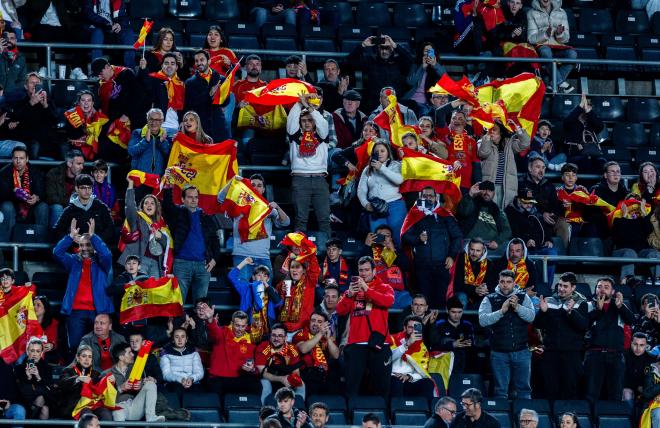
(453, 412)
(84, 187)
(526, 421)
(151, 119)
(464, 404)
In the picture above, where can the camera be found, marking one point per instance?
(374, 156)
(418, 328)
(377, 40)
(379, 239)
(652, 303)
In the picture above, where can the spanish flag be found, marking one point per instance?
(363, 154)
(442, 364)
(633, 209)
(420, 170)
(299, 239)
(151, 298)
(279, 92)
(463, 89)
(140, 362)
(93, 125)
(94, 396)
(144, 178)
(224, 90)
(415, 214)
(207, 166)
(416, 355)
(390, 120)
(646, 420)
(243, 201)
(272, 120)
(520, 50)
(18, 323)
(120, 133)
(144, 31)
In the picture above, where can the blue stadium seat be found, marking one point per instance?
(54, 295)
(503, 418)
(205, 415)
(241, 401)
(617, 153)
(342, 9)
(642, 289)
(146, 9)
(21, 277)
(409, 404)
(632, 22)
(542, 407)
(29, 233)
(246, 417)
(352, 35)
(201, 400)
(358, 414)
(586, 247)
(411, 15)
(185, 8)
(625, 53)
(648, 154)
(654, 137)
(614, 422)
(334, 402)
(496, 405)
(655, 23)
(643, 110)
(279, 36)
(225, 297)
(587, 53)
(199, 26)
(54, 280)
(577, 406)
(613, 408)
(608, 108)
(628, 134)
(595, 21)
(562, 105)
(648, 42)
(64, 92)
(373, 14)
(221, 10)
(459, 383)
(584, 40)
(367, 402)
(172, 399)
(337, 418)
(315, 38)
(407, 418)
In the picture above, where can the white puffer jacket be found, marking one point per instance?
(177, 365)
(538, 21)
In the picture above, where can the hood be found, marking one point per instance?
(482, 258)
(577, 297)
(515, 290)
(555, 4)
(515, 240)
(75, 201)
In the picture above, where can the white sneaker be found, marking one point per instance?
(566, 87)
(42, 72)
(158, 418)
(77, 74)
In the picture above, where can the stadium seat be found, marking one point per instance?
(624, 53)
(224, 297)
(618, 40)
(204, 415)
(542, 407)
(367, 402)
(245, 417)
(279, 36)
(654, 137)
(408, 418)
(359, 414)
(242, 35)
(648, 154)
(411, 15)
(562, 105)
(503, 418)
(146, 8)
(495, 405)
(648, 42)
(337, 418)
(29, 233)
(617, 153)
(655, 23)
(400, 35)
(315, 38)
(266, 150)
(54, 280)
(64, 92)
(612, 408)
(409, 404)
(21, 277)
(373, 14)
(221, 10)
(185, 8)
(586, 247)
(642, 289)
(643, 110)
(334, 402)
(459, 383)
(545, 421)
(632, 22)
(352, 35)
(577, 405)
(241, 401)
(172, 399)
(614, 422)
(584, 39)
(342, 9)
(595, 21)
(584, 420)
(200, 400)
(608, 108)
(628, 134)
(587, 53)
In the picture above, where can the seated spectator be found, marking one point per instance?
(318, 353)
(453, 334)
(88, 420)
(515, 259)
(264, 413)
(86, 293)
(462, 149)
(435, 239)
(647, 185)
(410, 379)
(50, 21)
(391, 262)
(512, 38)
(569, 420)
(334, 265)
(334, 86)
(507, 313)
(473, 415)
(136, 339)
(71, 381)
(50, 326)
(101, 341)
(23, 187)
(497, 152)
(135, 400)
(84, 207)
(7, 282)
(577, 218)
(529, 418)
(648, 321)
(287, 414)
(165, 91)
(165, 44)
(258, 298)
(232, 365)
(150, 146)
(35, 380)
(12, 62)
(444, 412)
(102, 189)
(319, 413)
(348, 119)
(147, 235)
(637, 360)
(581, 133)
(419, 307)
(329, 307)
(480, 217)
(543, 146)
(423, 74)
(407, 114)
(547, 28)
(181, 366)
(611, 188)
(278, 362)
(108, 24)
(258, 119)
(84, 125)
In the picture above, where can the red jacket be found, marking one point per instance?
(374, 304)
(228, 354)
(307, 305)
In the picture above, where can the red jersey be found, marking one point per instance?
(216, 61)
(318, 356)
(372, 303)
(298, 306)
(242, 86)
(463, 148)
(266, 356)
(228, 353)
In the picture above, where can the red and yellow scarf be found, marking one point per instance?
(469, 274)
(22, 181)
(128, 236)
(343, 270)
(175, 89)
(292, 304)
(308, 144)
(520, 269)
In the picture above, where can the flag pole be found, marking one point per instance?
(144, 45)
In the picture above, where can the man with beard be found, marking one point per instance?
(515, 259)
(453, 334)
(544, 192)
(563, 320)
(648, 321)
(318, 350)
(84, 124)
(279, 363)
(241, 87)
(200, 91)
(12, 63)
(479, 216)
(474, 276)
(120, 95)
(637, 360)
(462, 149)
(165, 90)
(89, 278)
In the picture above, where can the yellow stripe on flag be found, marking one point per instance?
(140, 362)
(14, 323)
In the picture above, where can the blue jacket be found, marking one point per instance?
(144, 152)
(101, 274)
(251, 301)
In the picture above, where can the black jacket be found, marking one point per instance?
(545, 194)
(104, 226)
(128, 99)
(563, 331)
(444, 239)
(606, 330)
(611, 197)
(631, 233)
(8, 386)
(155, 92)
(37, 183)
(575, 130)
(197, 98)
(485, 421)
(491, 279)
(285, 422)
(66, 12)
(435, 421)
(178, 219)
(528, 225)
(635, 367)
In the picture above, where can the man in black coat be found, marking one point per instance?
(164, 90)
(443, 415)
(120, 95)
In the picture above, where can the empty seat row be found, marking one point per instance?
(636, 109)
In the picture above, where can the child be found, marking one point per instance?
(574, 212)
(542, 146)
(103, 190)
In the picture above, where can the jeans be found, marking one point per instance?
(192, 274)
(396, 213)
(15, 411)
(564, 69)
(40, 211)
(259, 15)
(506, 365)
(78, 324)
(647, 253)
(54, 213)
(125, 37)
(142, 405)
(246, 273)
(6, 146)
(311, 191)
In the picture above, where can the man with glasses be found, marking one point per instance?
(473, 416)
(445, 412)
(150, 146)
(528, 418)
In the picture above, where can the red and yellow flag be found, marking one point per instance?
(93, 125)
(299, 239)
(242, 200)
(151, 298)
(391, 120)
(18, 323)
(128, 236)
(140, 362)
(94, 396)
(279, 92)
(144, 178)
(120, 133)
(271, 121)
(207, 166)
(463, 89)
(224, 90)
(144, 31)
(632, 207)
(362, 153)
(176, 89)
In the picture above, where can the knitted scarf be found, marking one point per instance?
(175, 89)
(108, 88)
(520, 269)
(22, 190)
(469, 274)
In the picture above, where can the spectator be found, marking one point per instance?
(165, 90)
(88, 420)
(647, 185)
(429, 138)
(512, 37)
(50, 326)
(648, 321)
(443, 109)
(462, 150)
(410, 378)
(475, 275)
(307, 133)
(329, 307)
(391, 263)
(610, 188)
(443, 414)
(569, 420)
(378, 190)
(581, 133)
(222, 58)
(543, 146)
(278, 361)
(241, 87)
(296, 68)
(334, 265)
(319, 413)
(71, 381)
(529, 418)
(196, 246)
(274, 11)
(147, 235)
(23, 186)
(334, 86)
(86, 293)
(576, 219)
(84, 207)
(422, 76)
(12, 63)
(101, 341)
(419, 307)
(507, 313)
(388, 66)
(287, 415)
(50, 21)
(408, 115)
(165, 44)
(107, 23)
(102, 189)
(547, 28)
(371, 420)
(35, 380)
(150, 146)
(135, 400)
(563, 320)
(348, 119)
(368, 329)
(11, 20)
(120, 95)
(181, 366)
(84, 124)
(152, 369)
(637, 360)
(652, 389)
(200, 97)
(453, 334)
(603, 361)
(232, 366)
(258, 249)
(544, 192)
(473, 415)
(515, 259)
(480, 217)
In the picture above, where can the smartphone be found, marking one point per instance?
(418, 328)
(355, 279)
(379, 239)
(377, 40)
(652, 304)
(38, 88)
(374, 156)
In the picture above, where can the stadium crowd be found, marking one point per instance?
(376, 320)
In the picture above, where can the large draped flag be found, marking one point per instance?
(140, 362)
(632, 207)
(270, 120)
(583, 198)
(391, 120)
(417, 355)
(207, 166)
(420, 170)
(151, 298)
(92, 124)
(120, 133)
(144, 178)
(442, 363)
(144, 31)
(416, 213)
(279, 92)
(96, 395)
(646, 420)
(299, 239)
(18, 322)
(224, 90)
(244, 201)
(463, 89)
